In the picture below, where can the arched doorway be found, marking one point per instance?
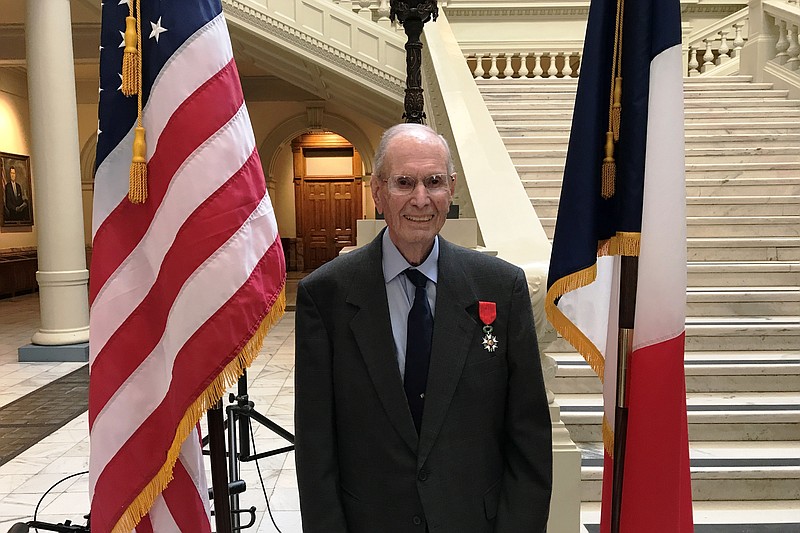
(328, 190)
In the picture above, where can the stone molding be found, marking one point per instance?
(315, 46)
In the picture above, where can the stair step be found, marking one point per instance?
(552, 103)
(742, 333)
(548, 113)
(738, 206)
(749, 301)
(727, 334)
(718, 187)
(743, 274)
(742, 516)
(768, 417)
(753, 227)
(753, 140)
(770, 470)
(757, 169)
(743, 249)
(719, 372)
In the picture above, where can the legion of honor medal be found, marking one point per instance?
(488, 312)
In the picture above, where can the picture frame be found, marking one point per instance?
(15, 190)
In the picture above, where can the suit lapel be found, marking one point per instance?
(373, 333)
(453, 329)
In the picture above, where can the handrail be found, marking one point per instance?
(714, 28)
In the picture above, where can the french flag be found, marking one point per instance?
(632, 49)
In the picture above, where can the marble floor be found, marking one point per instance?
(25, 477)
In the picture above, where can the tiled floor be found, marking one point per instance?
(25, 478)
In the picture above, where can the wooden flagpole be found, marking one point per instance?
(629, 274)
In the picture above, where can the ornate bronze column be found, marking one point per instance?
(413, 14)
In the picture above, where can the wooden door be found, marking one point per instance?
(330, 207)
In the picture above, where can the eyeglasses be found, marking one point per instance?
(435, 184)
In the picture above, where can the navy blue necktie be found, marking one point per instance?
(418, 346)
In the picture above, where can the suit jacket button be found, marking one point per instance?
(422, 476)
(417, 520)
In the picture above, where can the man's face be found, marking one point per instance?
(12, 173)
(413, 219)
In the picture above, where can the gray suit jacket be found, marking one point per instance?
(482, 460)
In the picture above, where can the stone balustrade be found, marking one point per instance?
(717, 44)
(784, 18)
(525, 64)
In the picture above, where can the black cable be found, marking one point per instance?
(260, 477)
(36, 510)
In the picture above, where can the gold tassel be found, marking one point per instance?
(609, 168)
(616, 108)
(130, 59)
(137, 193)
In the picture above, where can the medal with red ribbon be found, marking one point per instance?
(488, 312)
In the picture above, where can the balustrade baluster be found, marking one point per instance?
(383, 14)
(508, 71)
(493, 71)
(723, 48)
(537, 65)
(523, 64)
(479, 72)
(693, 64)
(708, 57)
(580, 62)
(567, 70)
(782, 45)
(738, 41)
(794, 49)
(552, 70)
(365, 9)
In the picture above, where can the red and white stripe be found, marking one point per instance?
(179, 284)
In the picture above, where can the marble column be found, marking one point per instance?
(55, 160)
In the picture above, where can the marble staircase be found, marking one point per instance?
(743, 300)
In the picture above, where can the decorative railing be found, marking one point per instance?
(713, 47)
(784, 19)
(375, 10)
(525, 64)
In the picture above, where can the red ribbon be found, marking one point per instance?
(487, 311)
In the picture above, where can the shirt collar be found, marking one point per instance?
(394, 263)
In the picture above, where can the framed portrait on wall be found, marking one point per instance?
(15, 178)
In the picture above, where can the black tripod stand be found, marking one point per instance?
(237, 421)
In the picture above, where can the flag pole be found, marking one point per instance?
(629, 274)
(219, 472)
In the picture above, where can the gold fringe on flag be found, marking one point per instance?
(623, 243)
(213, 393)
(564, 325)
(131, 68)
(608, 437)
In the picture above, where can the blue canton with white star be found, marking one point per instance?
(165, 26)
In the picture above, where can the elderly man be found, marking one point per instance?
(420, 404)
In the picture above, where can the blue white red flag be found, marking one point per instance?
(645, 217)
(185, 285)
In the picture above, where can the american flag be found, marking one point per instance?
(183, 286)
